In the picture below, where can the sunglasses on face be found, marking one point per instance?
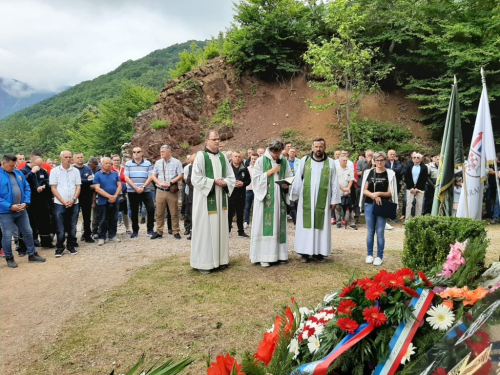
(136, 152)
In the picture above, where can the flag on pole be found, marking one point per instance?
(452, 156)
(481, 154)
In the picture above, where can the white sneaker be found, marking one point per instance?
(264, 264)
(388, 226)
(377, 261)
(115, 239)
(245, 225)
(101, 242)
(369, 259)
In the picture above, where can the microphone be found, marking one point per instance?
(278, 161)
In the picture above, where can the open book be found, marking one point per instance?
(287, 181)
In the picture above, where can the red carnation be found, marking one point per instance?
(393, 281)
(374, 316)
(423, 278)
(346, 290)
(346, 307)
(410, 291)
(440, 371)
(375, 292)
(406, 273)
(366, 283)
(347, 324)
(378, 277)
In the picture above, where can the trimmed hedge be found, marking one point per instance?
(428, 239)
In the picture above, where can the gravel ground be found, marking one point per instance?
(37, 299)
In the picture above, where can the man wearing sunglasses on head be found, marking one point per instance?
(415, 177)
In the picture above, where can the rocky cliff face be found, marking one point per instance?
(187, 104)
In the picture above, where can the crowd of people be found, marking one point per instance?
(41, 200)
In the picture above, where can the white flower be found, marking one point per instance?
(409, 352)
(319, 329)
(304, 311)
(294, 348)
(271, 329)
(440, 317)
(329, 297)
(313, 343)
(320, 315)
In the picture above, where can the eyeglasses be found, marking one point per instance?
(136, 152)
(214, 139)
(379, 160)
(417, 157)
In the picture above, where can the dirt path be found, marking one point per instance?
(37, 299)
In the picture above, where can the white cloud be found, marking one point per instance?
(54, 43)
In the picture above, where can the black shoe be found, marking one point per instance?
(243, 235)
(177, 236)
(35, 258)
(90, 240)
(339, 225)
(187, 232)
(188, 238)
(183, 217)
(494, 221)
(143, 221)
(59, 253)
(48, 246)
(319, 258)
(156, 235)
(72, 250)
(36, 243)
(11, 262)
(170, 231)
(82, 238)
(22, 253)
(76, 244)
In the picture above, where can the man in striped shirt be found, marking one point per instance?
(138, 175)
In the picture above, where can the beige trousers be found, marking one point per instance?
(418, 205)
(164, 198)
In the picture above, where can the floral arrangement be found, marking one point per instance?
(381, 323)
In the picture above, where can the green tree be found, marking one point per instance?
(270, 36)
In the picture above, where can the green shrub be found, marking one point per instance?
(428, 239)
(184, 145)
(302, 144)
(159, 124)
(224, 115)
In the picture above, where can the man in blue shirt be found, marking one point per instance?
(15, 196)
(108, 186)
(139, 174)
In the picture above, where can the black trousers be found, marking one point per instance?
(237, 205)
(188, 223)
(85, 203)
(183, 199)
(147, 199)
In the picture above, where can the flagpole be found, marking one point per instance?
(464, 180)
(483, 80)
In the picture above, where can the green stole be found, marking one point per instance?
(269, 203)
(209, 172)
(319, 211)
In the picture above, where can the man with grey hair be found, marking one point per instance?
(269, 230)
(108, 187)
(213, 180)
(65, 182)
(167, 173)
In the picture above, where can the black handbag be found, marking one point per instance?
(346, 201)
(387, 209)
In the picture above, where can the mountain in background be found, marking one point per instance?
(152, 71)
(16, 95)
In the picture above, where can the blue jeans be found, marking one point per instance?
(496, 211)
(66, 220)
(108, 220)
(12, 222)
(248, 205)
(374, 223)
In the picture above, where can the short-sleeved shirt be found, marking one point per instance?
(66, 182)
(108, 183)
(350, 164)
(344, 176)
(138, 173)
(167, 170)
(377, 182)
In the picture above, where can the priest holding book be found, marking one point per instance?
(269, 242)
(317, 190)
(213, 181)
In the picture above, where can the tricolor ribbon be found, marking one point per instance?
(405, 333)
(321, 367)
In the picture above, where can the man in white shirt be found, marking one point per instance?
(65, 183)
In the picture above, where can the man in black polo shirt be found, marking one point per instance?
(238, 197)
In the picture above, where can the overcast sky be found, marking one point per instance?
(50, 44)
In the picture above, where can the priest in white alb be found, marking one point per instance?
(269, 228)
(213, 181)
(317, 191)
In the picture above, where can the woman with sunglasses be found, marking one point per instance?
(379, 184)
